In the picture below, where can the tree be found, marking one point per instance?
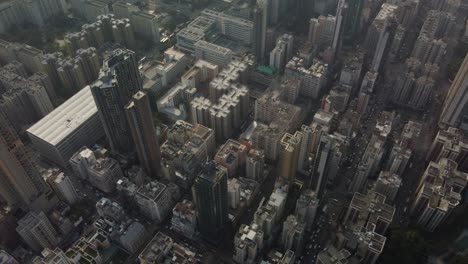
(405, 246)
(459, 260)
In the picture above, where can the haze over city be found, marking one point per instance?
(233, 131)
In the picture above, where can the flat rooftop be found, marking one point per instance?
(66, 118)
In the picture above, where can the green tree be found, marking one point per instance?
(405, 246)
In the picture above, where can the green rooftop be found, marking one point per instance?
(265, 69)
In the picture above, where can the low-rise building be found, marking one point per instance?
(108, 208)
(248, 243)
(155, 199)
(163, 249)
(184, 218)
(232, 155)
(331, 255)
(62, 185)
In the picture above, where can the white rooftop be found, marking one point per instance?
(63, 120)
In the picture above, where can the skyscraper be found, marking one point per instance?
(20, 182)
(210, 196)
(259, 37)
(352, 21)
(289, 155)
(141, 124)
(457, 97)
(107, 93)
(340, 14)
(118, 81)
(124, 64)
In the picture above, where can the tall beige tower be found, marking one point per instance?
(140, 121)
(289, 155)
(457, 97)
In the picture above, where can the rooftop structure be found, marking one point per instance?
(67, 128)
(385, 123)
(108, 208)
(185, 149)
(438, 193)
(66, 118)
(388, 185)
(156, 199)
(270, 212)
(366, 222)
(331, 255)
(184, 218)
(231, 26)
(410, 135)
(232, 155)
(450, 143)
(313, 78)
(162, 249)
(370, 208)
(248, 241)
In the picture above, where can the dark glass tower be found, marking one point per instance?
(352, 21)
(118, 81)
(210, 196)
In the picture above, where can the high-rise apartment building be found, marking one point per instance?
(313, 79)
(140, 120)
(37, 231)
(326, 160)
(322, 31)
(388, 184)
(457, 98)
(292, 235)
(36, 12)
(24, 100)
(255, 165)
(289, 154)
(366, 221)
(119, 80)
(306, 208)
(210, 196)
(282, 52)
(20, 182)
(309, 143)
(451, 144)
(438, 193)
(259, 30)
(379, 35)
